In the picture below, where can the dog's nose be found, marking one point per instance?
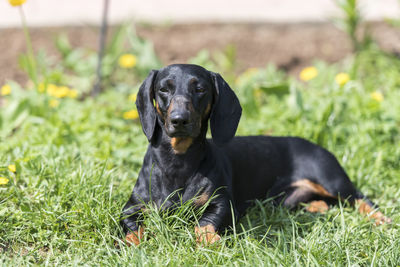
(179, 119)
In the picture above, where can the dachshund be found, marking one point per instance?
(175, 106)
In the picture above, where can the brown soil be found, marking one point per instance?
(289, 46)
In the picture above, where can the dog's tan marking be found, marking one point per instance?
(363, 207)
(366, 209)
(317, 206)
(158, 109)
(134, 237)
(208, 109)
(313, 187)
(181, 144)
(206, 234)
(171, 106)
(201, 200)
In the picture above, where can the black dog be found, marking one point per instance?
(175, 104)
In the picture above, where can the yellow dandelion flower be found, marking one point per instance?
(127, 61)
(16, 2)
(342, 78)
(132, 97)
(377, 96)
(51, 89)
(73, 93)
(131, 115)
(5, 90)
(308, 73)
(54, 103)
(12, 168)
(3, 181)
(62, 92)
(57, 91)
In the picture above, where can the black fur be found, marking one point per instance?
(241, 168)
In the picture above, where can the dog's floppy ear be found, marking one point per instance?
(226, 112)
(145, 106)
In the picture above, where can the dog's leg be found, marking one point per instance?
(317, 206)
(206, 234)
(134, 237)
(303, 195)
(369, 209)
(297, 196)
(305, 190)
(216, 216)
(129, 218)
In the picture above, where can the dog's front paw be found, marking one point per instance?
(206, 234)
(134, 237)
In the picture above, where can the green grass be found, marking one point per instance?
(77, 164)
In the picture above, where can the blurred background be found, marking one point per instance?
(288, 33)
(71, 143)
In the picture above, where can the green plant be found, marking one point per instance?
(77, 161)
(12, 116)
(351, 23)
(28, 61)
(81, 62)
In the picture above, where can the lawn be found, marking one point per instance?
(68, 161)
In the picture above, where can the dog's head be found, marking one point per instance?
(184, 97)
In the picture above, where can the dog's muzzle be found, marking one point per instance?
(179, 122)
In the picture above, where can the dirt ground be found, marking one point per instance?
(289, 46)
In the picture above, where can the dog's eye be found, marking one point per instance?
(164, 89)
(200, 89)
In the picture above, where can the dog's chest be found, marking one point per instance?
(172, 189)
